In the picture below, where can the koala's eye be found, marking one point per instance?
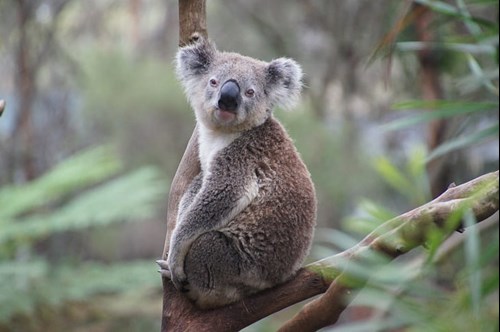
(213, 82)
(250, 93)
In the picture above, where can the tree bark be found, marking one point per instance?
(192, 21)
(439, 169)
(23, 136)
(31, 53)
(192, 26)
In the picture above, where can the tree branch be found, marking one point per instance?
(192, 25)
(192, 21)
(394, 238)
(188, 168)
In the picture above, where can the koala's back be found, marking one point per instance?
(273, 233)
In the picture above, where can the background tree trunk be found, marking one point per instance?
(439, 170)
(32, 51)
(23, 136)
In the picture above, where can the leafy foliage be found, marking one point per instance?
(150, 106)
(33, 284)
(452, 287)
(75, 173)
(89, 190)
(331, 173)
(409, 182)
(474, 53)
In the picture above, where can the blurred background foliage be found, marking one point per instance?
(401, 99)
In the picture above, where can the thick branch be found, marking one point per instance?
(184, 316)
(188, 168)
(322, 312)
(439, 169)
(192, 21)
(394, 238)
(192, 25)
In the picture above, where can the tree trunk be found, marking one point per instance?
(23, 136)
(192, 25)
(439, 170)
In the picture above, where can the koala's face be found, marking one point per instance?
(231, 92)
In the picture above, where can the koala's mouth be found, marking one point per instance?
(225, 116)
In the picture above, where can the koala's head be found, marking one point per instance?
(231, 92)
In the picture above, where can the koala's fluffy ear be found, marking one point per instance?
(283, 82)
(194, 60)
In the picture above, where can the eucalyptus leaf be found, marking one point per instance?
(464, 141)
(131, 197)
(437, 109)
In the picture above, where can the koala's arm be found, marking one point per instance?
(189, 196)
(220, 199)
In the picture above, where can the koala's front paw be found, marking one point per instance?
(178, 277)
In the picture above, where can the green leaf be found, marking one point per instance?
(130, 197)
(477, 48)
(478, 72)
(393, 176)
(19, 278)
(342, 240)
(369, 215)
(464, 141)
(82, 170)
(35, 283)
(452, 11)
(441, 109)
(490, 285)
(440, 7)
(472, 259)
(483, 2)
(416, 168)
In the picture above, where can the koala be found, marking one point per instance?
(246, 221)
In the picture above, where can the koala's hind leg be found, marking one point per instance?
(212, 267)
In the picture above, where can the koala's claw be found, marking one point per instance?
(164, 269)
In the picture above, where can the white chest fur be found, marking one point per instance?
(210, 142)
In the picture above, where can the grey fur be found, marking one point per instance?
(246, 222)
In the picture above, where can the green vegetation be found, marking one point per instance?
(452, 287)
(81, 195)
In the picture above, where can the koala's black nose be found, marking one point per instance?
(230, 98)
